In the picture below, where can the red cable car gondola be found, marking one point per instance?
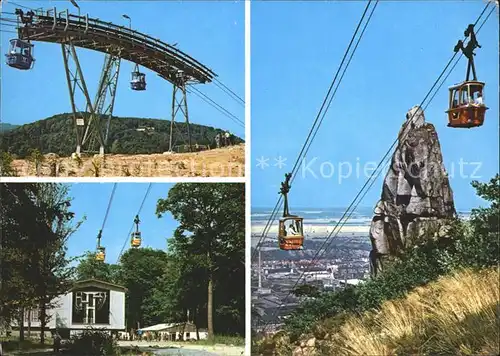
(466, 100)
(291, 231)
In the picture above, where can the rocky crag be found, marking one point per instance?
(416, 202)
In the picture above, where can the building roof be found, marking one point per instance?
(162, 327)
(98, 283)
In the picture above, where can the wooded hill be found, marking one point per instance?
(56, 134)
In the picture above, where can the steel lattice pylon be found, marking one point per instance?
(104, 103)
(89, 128)
(179, 109)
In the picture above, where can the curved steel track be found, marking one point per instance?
(92, 33)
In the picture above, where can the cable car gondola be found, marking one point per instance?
(291, 231)
(138, 81)
(20, 55)
(100, 254)
(466, 100)
(136, 240)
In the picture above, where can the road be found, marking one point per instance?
(190, 349)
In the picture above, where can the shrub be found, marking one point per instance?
(94, 342)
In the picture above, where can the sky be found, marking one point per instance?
(296, 48)
(212, 33)
(90, 201)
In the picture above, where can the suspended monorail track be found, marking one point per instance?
(116, 42)
(106, 37)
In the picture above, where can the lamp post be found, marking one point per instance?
(129, 21)
(73, 2)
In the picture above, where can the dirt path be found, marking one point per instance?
(223, 162)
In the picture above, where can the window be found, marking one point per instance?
(33, 313)
(476, 91)
(91, 306)
(455, 98)
(464, 95)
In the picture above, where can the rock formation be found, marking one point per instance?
(417, 201)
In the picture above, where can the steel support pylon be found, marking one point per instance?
(104, 103)
(179, 111)
(88, 126)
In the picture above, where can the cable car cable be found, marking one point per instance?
(233, 118)
(16, 4)
(305, 145)
(133, 224)
(218, 105)
(109, 206)
(340, 80)
(227, 90)
(460, 57)
(403, 134)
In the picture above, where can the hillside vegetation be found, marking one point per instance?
(56, 134)
(7, 127)
(439, 298)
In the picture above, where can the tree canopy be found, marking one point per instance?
(208, 250)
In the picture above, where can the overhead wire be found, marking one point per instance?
(228, 91)
(400, 138)
(16, 4)
(109, 206)
(133, 224)
(217, 106)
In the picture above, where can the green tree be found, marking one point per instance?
(211, 237)
(89, 268)
(141, 271)
(479, 245)
(37, 159)
(306, 290)
(54, 273)
(36, 223)
(6, 169)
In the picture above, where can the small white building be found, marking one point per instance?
(89, 303)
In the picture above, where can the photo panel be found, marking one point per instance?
(132, 268)
(143, 89)
(374, 140)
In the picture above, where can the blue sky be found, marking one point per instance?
(91, 200)
(212, 33)
(296, 49)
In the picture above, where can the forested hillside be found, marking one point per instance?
(56, 134)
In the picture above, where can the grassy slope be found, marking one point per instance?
(457, 314)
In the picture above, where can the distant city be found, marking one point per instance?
(344, 262)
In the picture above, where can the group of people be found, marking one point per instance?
(139, 335)
(471, 100)
(223, 139)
